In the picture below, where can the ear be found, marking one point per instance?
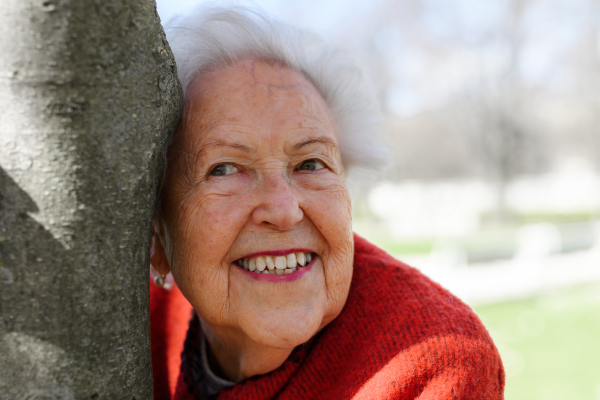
(158, 256)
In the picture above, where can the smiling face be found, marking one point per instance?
(256, 174)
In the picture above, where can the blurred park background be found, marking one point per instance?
(493, 190)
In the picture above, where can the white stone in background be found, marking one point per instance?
(517, 278)
(538, 240)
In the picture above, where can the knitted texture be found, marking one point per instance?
(170, 314)
(399, 336)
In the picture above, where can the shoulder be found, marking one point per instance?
(405, 295)
(414, 335)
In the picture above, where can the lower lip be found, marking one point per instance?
(299, 273)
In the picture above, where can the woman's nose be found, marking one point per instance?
(278, 207)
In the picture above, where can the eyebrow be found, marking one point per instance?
(223, 143)
(321, 139)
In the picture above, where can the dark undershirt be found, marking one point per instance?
(208, 382)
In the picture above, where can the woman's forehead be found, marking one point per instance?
(255, 97)
(256, 72)
(251, 80)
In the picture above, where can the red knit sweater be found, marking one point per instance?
(399, 336)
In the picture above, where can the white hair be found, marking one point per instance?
(214, 36)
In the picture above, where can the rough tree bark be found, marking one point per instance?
(88, 97)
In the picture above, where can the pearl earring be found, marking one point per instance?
(159, 280)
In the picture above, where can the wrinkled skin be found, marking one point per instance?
(255, 168)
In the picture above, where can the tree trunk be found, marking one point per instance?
(88, 98)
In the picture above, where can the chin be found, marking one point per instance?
(288, 329)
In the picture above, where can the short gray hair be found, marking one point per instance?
(214, 36)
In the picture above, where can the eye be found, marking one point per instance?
(311, 165)
(223, 169)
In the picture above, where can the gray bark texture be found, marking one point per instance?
(88, 98)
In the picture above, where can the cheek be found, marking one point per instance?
(331, 211)
(331, 214)
(218, 223)
(207, 226)
(205, 215)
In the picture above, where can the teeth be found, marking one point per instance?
(261, 263)
(291, 260)
(301, 259)
(270, 263)
(280, 262)
(279, 265)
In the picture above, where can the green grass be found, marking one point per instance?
(550, 345)
(557, 218)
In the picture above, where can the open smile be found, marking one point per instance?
(276, 265)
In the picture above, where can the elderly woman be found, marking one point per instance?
(254, 223)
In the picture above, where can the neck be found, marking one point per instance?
(240, 358)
